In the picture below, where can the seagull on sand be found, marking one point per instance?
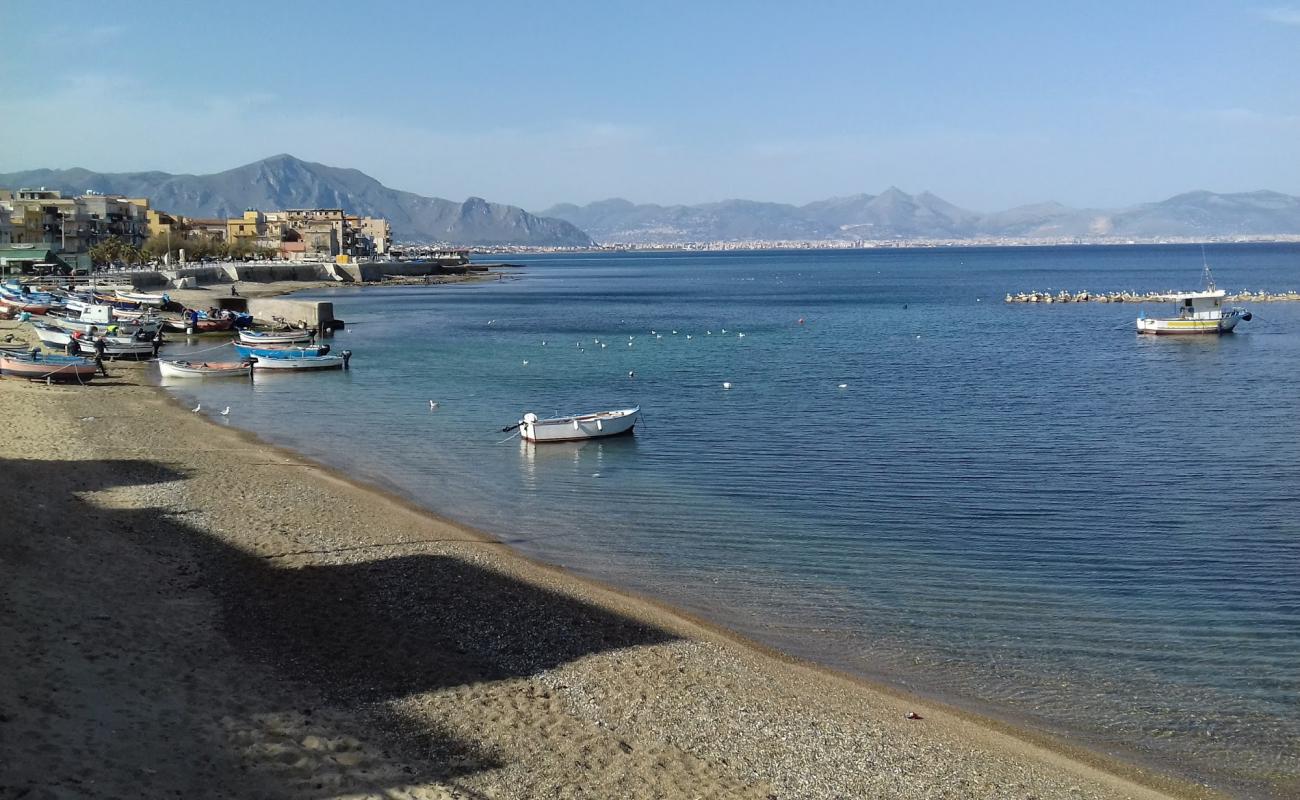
(226, 412)
(197, 408)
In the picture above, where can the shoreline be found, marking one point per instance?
(1110, 776)
(648, 663)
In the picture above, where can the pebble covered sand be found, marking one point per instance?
(187, 612)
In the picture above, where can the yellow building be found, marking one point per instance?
(248, 228)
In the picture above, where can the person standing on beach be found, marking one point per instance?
(100, 346)
(157, 340)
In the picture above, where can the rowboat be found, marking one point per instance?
(1197, 313)
(114, 346)
(205, 369)
(303, 363)
(298, 336)
(595, 425)
(247, 351)
(142, 298)
(200, 325)
(42, 366)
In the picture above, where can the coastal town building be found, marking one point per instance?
(71, 226)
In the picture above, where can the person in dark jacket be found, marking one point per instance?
(100, 346)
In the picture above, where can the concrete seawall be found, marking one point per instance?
(260, 272)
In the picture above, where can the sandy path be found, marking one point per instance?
(186, 612)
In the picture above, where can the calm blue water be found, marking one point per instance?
(1026, 509)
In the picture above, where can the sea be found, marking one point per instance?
(1028, 511)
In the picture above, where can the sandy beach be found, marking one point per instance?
(188, 612)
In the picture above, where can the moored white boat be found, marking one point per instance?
(303, 363)
(1197, 313)
(261, 338)
(205, 369)
(595, 425)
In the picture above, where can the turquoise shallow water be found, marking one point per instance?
(1029, 510)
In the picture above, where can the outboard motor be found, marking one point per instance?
(324, 349)
(1247, 317)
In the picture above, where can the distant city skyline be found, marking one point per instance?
(1006, 104)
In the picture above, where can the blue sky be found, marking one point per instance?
(988, 105)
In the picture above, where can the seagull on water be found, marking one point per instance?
(433, 406)
(844, 386)
(226, 412)
(525, 362)
(631, 373)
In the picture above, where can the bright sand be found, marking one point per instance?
(185, 611)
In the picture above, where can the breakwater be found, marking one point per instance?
(1064, 296)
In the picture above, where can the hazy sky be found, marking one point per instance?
(988, 105)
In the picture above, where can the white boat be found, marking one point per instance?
(1197, 312)
(114, 346)
(143, 298)
(261, 338)
(205, 369)
(303, 363)
(579, 426)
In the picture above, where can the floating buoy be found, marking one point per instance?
(844, 386)
(726, 384)
(801, 320)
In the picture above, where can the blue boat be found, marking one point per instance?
(245, 351)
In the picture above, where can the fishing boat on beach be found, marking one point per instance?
(204, 324)
(595, 425)
(258, 338)
(38, 366)
(114, 346)
(205, 369)
(142, 298)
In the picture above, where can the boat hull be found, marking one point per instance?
(188, 369)
(262, 339)
(579, 427)
(202, 326)
(1187, 327)
(288, 351)
(62, 370)
(299, 364)
(114, 346)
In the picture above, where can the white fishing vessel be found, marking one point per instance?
(114, 346)
(1200, 312)
(579, 426)
(1196, 312)
(302, 363)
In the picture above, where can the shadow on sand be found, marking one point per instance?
(144, 642)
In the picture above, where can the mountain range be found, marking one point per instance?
(894, 214)
(283, 181)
